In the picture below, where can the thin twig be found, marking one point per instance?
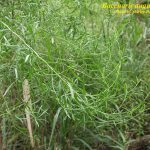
(26, 98)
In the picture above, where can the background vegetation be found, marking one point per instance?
(88, 71)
